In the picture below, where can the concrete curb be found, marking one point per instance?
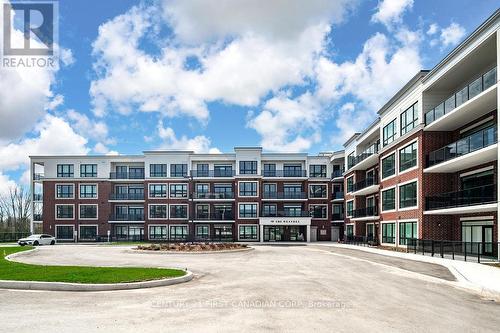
(188, 252)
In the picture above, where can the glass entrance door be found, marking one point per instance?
(478, 237)
(273, 233)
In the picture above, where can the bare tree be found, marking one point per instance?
(15, 212)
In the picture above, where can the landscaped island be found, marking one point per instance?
(15, 271)
(192, 247)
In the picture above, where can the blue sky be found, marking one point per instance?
(285, 75)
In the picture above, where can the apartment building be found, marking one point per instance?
(247, 195)
(427, 168)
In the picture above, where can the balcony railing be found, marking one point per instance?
(212, 173)
(284, 195)
(37, 197)
(286, 213)
(284, 173)
(469, 144)
(126, 175)
(470, 197)
(126, 196)
(221, 195)
(338, 195)
(370, 181)
(126, 217)
(215, 216)
(365, 212)
(37, 217)
(470, 91)
(337, 217)
(373, 149)
(337, 173)
(38, 176)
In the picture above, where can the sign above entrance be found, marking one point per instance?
(285, 220)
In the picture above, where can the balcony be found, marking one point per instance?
(284, 195)
(37, 197)
(338, 196)
(37, 217)
(338, 217)
(474, 200)
(471, 102)
(213, 196)
(126, 175)
(127, 217)
(212, 173)
(368, 213)
(366, 186)
(337, 174)
(285, 173)
(366, 159)
(476, 149)
(215, 216)
(286, 213)
(38, 176)
(126, 196)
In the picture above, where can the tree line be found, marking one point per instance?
(15, 210)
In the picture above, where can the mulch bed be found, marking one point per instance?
(192, 247)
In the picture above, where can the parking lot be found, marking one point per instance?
(280, 288)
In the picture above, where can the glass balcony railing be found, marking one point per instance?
(38, 176)
(365, 212)
(216, 216)
(37, 197)
(286, 213)
(365, 183)
(126, 217)
(212, 173)
(468, 92)
(284, 195)
(337, 173)
(284, 173)
(338, 195)
(481, 139)
(126, 196)
(373, 149)
(206, 195)
(126, 175)
(470, 197)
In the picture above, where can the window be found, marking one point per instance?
(248, 232)
(64, 232)
(88, 191)
(65, 191)
(202, 190)
(178, 211)
(178, 190)
(337, 212)
(292, 211)
(248, 167)
(317, 171)
(158, 211)
(388, 233)
(247, 189)
(407, 230)
(202, 170)
(349, 208)
(389, 132)
(409, 119)
(351, 160)
(350, 184)
(248, 210)
(318, 211)
(202, 212)
(269, 170)
(269, 210)
(65, 212)
(135, 173)
(157, 190)
(158, 170)
(269, 188)
(88, 232)
(349, 230)
(202, 232)
(408, 195)
(317, 191)
(178, 232)
(65, 170)
(293, 170)
(178, 170)
(88, 212)
(389, 199)
(389, 165)
(157, 232)
(224, 190)
(88, 170)
(408, 157)
(223, 171)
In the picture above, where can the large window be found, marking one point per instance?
(293, 170)
(178, 232)
(248, 210)
(269, 170)
(388, 233)
(318, 211)
(389, 165)
(65, 212)
(318, 191)
(248, 232)
(349, 230)
(202, 211)
(64, 232)
(247, 189)
(157, 190)
(349, 208)
(337, 212)
(178, 211)
(88, 191)
(65, 170)
(317, 171)
(409, 119)
(158, 211)
(178, 170)
(407, 230)
(202, 170)
(350, 184)
(158, 170)
(223, 171)
(88, 170)
(408, 157)
(248, 167)
(65, 191)
(157, 232)
(202, 232)
(178, 190)
(408, 195)
(88, 212)
(88, 232)
(269, 188)
(269, 210)
(389, 132)
(389, 199)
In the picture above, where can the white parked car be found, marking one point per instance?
(35, 240)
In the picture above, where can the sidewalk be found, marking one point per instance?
(478, 277)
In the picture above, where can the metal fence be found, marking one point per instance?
(456, 250)
(361, 240)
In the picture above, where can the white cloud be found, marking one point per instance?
(452, 34)
(198, 144)
(5, 184)
(433, 28)
(391, 12)
(97, 130)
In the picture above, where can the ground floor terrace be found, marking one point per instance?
(271, 288)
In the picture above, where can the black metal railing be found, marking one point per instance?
(126, 196)
(360, 240)
(337, 217)
(469, 197)
(126, 217)
(12, 236)
(126, 175)
(337, 173)
(219, 195)
(285, 213)
(284, 173)
(369, 181)
(284, 195)
(473, 89)
(365, 212)
(37, 197)
(481, 139)
(37, 217)
(212, 173)
(456, 250)
(215, 216)
(373, 149)
(338, 195)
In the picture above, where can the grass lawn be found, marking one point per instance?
(77, 274)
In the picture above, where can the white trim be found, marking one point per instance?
(248, 203)
(475, 218)
(65, 184)
(157, 225)
(353, 228)
(65, 225)
(87, 225)
(316, 184)
(319, 218)
(248, 225)
(178, 218)
(414, 180)
(178, 198)
(157, 198)
(157, 218)
(395, 187)
(247, 181)
(469, 173)
(477, 223)
(85, 184)
(417, 164)
(64, 219)
(88, 218)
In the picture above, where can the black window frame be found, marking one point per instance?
(388, 137)
(64, 215)
(248, 167)
(84, 194)
(85, 208)
(175, 192)
(163, 234)
(154, 192)
(248, 232)
(174, 211)
(408, 164)
(350, 184)
(178, 232)
(349, 212)
(252, 213)
(60, 194)
(406, 126)
(385, 236)
(63, 173)
(244, 191)
(392, 170)
(317, 170)
(85, 173)
(314, 194)
(158, 170)
(403, 239)
(402, 192)
(176, 173)
(158, 211)
(318, 211)
(392, 206)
